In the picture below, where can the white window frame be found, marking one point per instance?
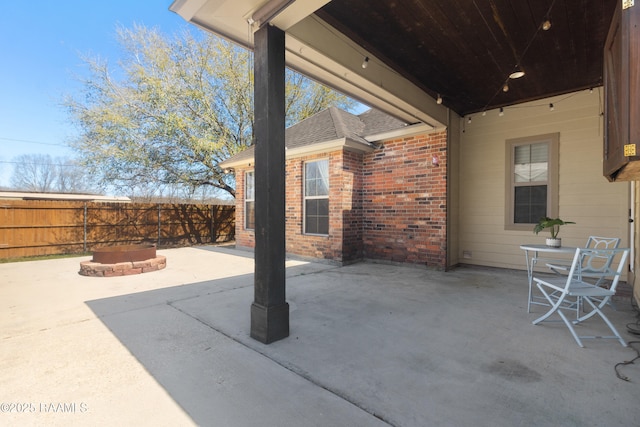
(249, 198)
(553, 142)
(315, 197)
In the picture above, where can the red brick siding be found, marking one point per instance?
(310, 245)
(344, 242)
(350, 186)
(389, 204)
(404, 201)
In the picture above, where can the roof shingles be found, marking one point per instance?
(329, 125)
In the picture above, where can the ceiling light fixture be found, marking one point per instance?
(551, 107)
(365, 63)
(519, 72)
(439, 99)
(501, 113)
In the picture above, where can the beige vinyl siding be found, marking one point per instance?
(597, 206)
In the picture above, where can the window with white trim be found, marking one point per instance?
(316, 197)
(249, 201)
(532, 180)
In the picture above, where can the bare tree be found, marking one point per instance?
(33, 172)
(42, 173)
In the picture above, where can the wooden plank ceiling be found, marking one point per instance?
(465, 50)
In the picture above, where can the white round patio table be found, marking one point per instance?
(549, 253)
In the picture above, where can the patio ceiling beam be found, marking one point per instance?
(319, 51)
(316, 49)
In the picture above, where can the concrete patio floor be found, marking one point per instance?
(370, 345)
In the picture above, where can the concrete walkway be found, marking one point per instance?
(370, 345)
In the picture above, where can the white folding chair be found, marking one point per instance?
(594, 242)
(559, 290)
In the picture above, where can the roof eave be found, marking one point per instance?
(347, 144)
(233, 164)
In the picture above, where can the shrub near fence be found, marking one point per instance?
(36, 227)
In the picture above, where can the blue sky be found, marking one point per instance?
(41, 43)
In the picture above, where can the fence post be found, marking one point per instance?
(84, 239)
(211, 225)
(159, 223)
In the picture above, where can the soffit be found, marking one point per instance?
(418, 49)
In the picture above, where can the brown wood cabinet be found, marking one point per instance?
(622, 95)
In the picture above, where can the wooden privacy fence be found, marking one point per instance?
(35, 227)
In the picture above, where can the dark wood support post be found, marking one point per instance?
(269, 311)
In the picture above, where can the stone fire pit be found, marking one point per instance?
(123, 260)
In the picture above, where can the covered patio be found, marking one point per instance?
(442, 64)
(370, 344)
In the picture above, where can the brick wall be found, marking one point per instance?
(308, 245)
(389, 204)
(404, 201)
(350, 194)
(345, 209)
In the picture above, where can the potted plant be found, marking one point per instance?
(553, 224)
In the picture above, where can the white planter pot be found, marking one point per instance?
(554, 243)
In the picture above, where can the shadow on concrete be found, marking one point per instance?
(374, 344)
